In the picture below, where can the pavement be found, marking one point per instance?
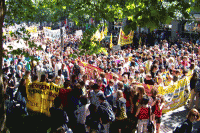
(172, 119)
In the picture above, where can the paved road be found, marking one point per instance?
(173, 118)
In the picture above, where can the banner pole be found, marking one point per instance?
(61, 37)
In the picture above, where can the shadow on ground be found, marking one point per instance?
(176, 117)
(33, 123)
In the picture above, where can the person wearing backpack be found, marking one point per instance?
(106, 114)
(121, 115)
(92, 120)
(187, 125)
(58, 117)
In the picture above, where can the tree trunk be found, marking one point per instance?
(2, 99)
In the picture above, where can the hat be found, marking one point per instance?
(102, 97)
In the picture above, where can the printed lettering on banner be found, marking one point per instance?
(40, 96)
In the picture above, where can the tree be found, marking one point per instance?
(150, 13)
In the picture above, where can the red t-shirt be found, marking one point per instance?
(157, 112)
(144, 113)
(63, 94)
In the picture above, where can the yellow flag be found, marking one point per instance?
(119, 36)
(111, 44)
(125, 39)
(105, 31)
(140, 41)
(101, 36)
(96, 36)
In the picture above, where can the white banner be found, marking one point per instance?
(53, 34)
(79, 33)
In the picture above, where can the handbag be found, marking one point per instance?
(150, 125)
(123, 114)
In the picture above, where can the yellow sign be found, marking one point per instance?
(40, 96)
(32, 29)
(125, 39)
(175, 95)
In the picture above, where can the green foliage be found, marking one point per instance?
(143, 13)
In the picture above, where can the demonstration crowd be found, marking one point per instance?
(88, 101)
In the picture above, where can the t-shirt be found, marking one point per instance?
(58, 118)
(94, 99)
(150, 82)
(186, 127)
(64, 95)
(101, 112)
(82, 113)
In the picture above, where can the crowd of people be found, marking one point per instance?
(87, 101)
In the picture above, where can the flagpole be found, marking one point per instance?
(119, 37)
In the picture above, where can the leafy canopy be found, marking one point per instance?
(150, 13)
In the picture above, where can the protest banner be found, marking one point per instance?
(46, 28)
(125, 39)
(96, 36)
(79, 33)
(116, 48)
(32, 29)
(53, 34)
(175, 95)
(40, 96)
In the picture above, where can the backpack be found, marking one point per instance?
(108, 113)
(123, 114)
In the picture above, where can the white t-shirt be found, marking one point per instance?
(58, 66)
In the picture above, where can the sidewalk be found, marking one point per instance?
(173, 118)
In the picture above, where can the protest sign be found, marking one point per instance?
(125, 39)
(116, 48)
(79, 33)
(175, 95)
(40, 96)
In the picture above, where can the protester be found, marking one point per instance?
(187, 125)
(102, 112)
(59, 118)
(156, 67)
(121, 115)
(143, 114)
(159, 105)
(193, 81)
(82, 112)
